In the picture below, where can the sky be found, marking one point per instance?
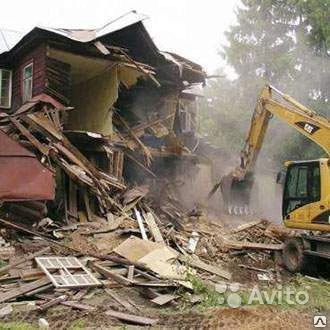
(193, 29)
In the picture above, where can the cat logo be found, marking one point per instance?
(308, 127)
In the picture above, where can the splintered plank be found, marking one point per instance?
(246, 226)
(130, 273)
(17, 292)
(76, 305)
(120, 300)
(53, 302)
(25, 259)
(41, 147)
(110, 274)
(141, 226)
(196, 262)
(252, 245)
(72, 196)
(163, 299)
(151, 223)
(87, 206)
(131, 318)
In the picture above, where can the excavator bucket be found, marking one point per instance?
(236, 193)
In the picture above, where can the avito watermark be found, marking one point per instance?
(278, 295)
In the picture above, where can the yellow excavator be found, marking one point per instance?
(306, 194)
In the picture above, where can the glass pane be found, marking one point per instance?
(315, 184)
(27, 90)
(5, 88)
(292, 182)
(302, 183)
(5, 76)
(27, 72)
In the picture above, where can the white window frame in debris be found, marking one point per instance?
(5, 88)
(27, 84)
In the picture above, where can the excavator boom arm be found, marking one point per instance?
(306, 121)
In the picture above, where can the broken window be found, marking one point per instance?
(185, 120)
(5, 88)
(27, 82)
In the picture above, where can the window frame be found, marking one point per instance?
(30, 64)
(186, 121)
(301, 200)
(10, 87)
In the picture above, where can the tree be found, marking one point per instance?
(286, 43)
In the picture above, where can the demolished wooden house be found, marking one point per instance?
(101, 109)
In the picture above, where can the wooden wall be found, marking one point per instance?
(49, 76)
(38, 57)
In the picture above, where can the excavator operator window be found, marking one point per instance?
(302, 186)
(315, 183)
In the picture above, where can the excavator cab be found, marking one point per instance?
(306, 195)
(306, 202)
(302, 186)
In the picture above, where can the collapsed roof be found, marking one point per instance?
(127, 31)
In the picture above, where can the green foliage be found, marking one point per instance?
(3, 263)
(210, 298)
(318, 290)
(78, 324)
(286, 43)
(16, 326)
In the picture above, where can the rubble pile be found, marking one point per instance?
(121, 237)
(126, 258)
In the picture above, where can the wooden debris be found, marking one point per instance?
(6, 310)
(38, 290)
(53, 302)
(130, 273)
(7, 252)
(24, 289)
(110, 274)
(31, 274)
(154, 256)
(113, 225)
(141, 225)
(120, 300)
(254, 268)
(79, 295)
(194, 261)
(156, 284)
(25, 259)
(76, 305)
(63, 276)
(193, 241)
(163, 299)
(246, 226)
(252, 245)
(131, 318)
(151, 223)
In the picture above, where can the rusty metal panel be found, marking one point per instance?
(22, 176)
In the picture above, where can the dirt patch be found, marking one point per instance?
(255, 318)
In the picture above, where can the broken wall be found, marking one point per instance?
(93, 99)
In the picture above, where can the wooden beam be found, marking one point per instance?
(17, 292)
(151, 223)
(131, 318)
(25, 259)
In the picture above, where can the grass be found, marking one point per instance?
(302, 292)
(318, 290)
(76, 325)
(16, 326)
